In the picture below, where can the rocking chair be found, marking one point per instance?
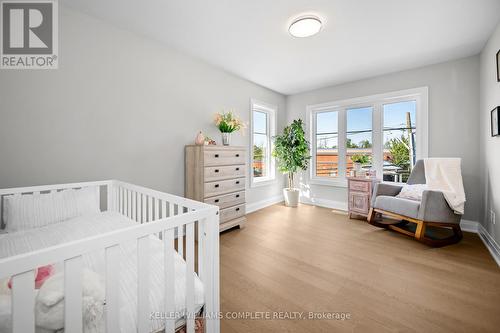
(415, 217)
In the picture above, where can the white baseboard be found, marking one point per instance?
(252, 207)
(469, 226)
(489, 242)
(339, 205)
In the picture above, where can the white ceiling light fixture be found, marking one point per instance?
(305, 26)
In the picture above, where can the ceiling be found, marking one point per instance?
(359, 39)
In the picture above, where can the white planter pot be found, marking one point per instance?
(291, 196)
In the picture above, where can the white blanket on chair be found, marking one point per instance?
(445, 175)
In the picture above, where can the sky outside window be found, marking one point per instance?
(327, 130)
(259, 122)
(359, 127)
(395, 119)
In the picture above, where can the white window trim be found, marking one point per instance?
(271, 111)
(376, 102)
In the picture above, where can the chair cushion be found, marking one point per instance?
(398, 205)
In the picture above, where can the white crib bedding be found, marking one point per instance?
(85, 226)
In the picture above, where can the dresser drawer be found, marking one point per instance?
(359, 186)
(224, 186)
(224, 157)
(227, 200)
(224, 172)
(231, 213)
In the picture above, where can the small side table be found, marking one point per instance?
(359, 195)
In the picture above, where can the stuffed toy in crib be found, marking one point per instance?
(49, 301)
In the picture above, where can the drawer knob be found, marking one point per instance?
(237, 155)
(216, 155)
(216, 200)
(216, 185)
(237, 209)
(237, 195)
(216, 170)
(237, 169)
(238, 182)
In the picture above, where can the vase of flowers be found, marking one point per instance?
(228, 123)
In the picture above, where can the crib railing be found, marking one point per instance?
(144, 205)
(157, 213)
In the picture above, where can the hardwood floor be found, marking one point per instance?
(315, 259)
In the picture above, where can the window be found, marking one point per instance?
(327, 144)
(399, 140)
(359, 141)
(263, 120)
(387, 132)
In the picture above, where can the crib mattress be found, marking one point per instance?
(95, 224)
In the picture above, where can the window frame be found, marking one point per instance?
(271, 111)
(376, 102)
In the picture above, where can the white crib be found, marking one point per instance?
(155, 212)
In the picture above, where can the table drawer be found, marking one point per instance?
(224, 172)
(232, 213)
(224, 157)
(224, 186)
(227, 200)
(359, 186)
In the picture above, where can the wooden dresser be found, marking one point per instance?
(216, 175)
(360, 195)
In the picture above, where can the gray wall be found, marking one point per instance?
(120, 106)
(453, 117)
(490, 146)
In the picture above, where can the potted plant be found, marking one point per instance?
(359, 160)
(227, 124)
(291, 151)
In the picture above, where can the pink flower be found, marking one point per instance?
(217, 119)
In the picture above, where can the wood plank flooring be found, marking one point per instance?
(314, 259)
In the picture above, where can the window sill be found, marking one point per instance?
(264, 182)
(329, 182)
